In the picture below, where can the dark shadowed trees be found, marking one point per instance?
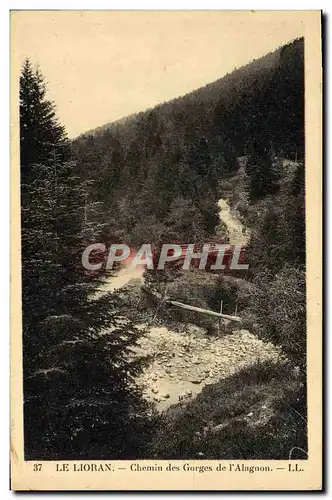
(80, 396)
(40, 131)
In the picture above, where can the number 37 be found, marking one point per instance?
(37, 467)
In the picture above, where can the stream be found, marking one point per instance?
(183, 363)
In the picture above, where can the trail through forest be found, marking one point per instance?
(183, 363)
(156, 177)
(122, 277)
(238, 234)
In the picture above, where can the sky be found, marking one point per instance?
(103, 65)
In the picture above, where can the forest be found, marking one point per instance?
(157, 177)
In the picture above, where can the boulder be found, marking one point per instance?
(195, 379)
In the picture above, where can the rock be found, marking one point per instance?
(195, 380)
(219, 427)
(166, 396)
(154, 390)
(250, 414)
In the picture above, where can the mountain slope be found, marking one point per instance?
(143, 164)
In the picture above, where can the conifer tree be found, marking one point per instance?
(79, 376)
(263, 173)
(40, 130)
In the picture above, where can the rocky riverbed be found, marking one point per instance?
(183, 363)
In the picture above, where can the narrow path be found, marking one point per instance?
(123, 276)
(183, 363)
(238, 234)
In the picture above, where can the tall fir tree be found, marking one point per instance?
(80, 396)
(263, 173)
(40, 130)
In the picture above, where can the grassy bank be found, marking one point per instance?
(259, 413)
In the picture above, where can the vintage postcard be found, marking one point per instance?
(166, 217)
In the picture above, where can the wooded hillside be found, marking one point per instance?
(150, 178)
(147, 165)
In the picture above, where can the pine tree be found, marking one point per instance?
(263, 173)
(53, 238)
(40, 131)
(80, 388)
(293, 223)
(80, 396)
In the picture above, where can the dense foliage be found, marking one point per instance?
(80, 398)
(161, 172)
(156, 177)
(181, 150)
(258, 413)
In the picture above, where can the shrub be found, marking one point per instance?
(279, 308)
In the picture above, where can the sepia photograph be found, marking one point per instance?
(162, 171)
